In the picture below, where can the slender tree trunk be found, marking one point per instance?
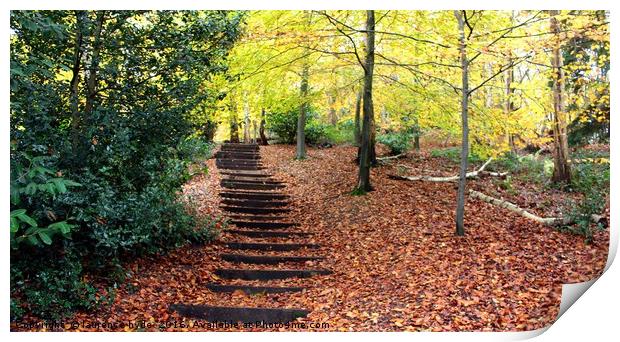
(509, 106)
(384, 116)
(373, 135)
(300, 152)
(246, 119)
(561, 169)
(416, 134)
(333, 118)
(367, 124)
(76, 118)
(94, 64)
(261, 129)
(234, 125)
(234, 128)
(301, 120)
(356, 130)
(460, 206)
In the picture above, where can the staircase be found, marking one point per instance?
(258, 207)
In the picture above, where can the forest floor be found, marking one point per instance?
(397, 263)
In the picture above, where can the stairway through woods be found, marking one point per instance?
(257, 206)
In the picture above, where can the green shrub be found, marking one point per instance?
(195, 149)
(316, 132)
(592, 180)
(52, 289)
(283, 125)
(397, 142)
(342, 133)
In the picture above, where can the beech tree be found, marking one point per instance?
(363, 184)
(561, 169)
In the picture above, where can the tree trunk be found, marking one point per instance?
(460, 206)
(261, 130)
(561, 169)
(301, 120)
(333, 118)
(94, 64)
(384, 116)
(76, 118)
(234, 125)
(356, 130)
(416, 134)
(303, 108)
(209, 130)
(246, 119)
(373, 134)
(509, 105)
(367, 124)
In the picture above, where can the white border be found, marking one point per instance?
(594, 316)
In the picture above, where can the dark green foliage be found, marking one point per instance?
(397, 142)
(284, 126)
(592, 180)
(53, 288)
(125, 141)
(316, 132)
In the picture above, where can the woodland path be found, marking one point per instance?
(257, 206)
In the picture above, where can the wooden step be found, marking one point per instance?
(254, 179)
(252, 195)
(249, 274)
(251, 181)
(266, 233)
(249, 186)
(280, 247)
(262, 225)
(254, 210)
(239, 147)
(245, 173)
(249, 289)
(239, 167)
(227, 162)
(238, 162)
(266, 259)
(238, 314)
(237, 155)
(256, 217)
(255, 203)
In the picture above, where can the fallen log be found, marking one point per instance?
(548, 221)
(472, 174)
(384, 159)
